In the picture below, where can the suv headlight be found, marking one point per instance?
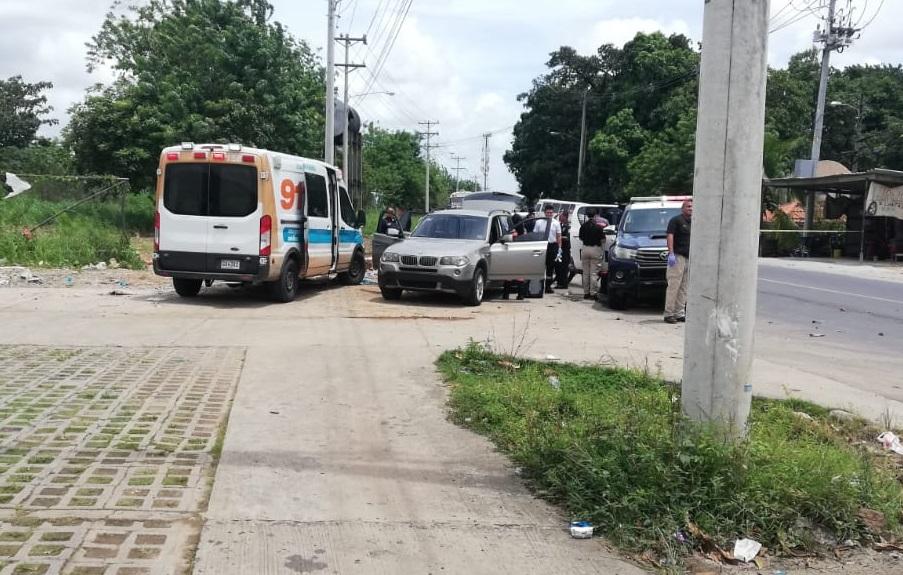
(624, 253)
(457, 261)
(389, 257)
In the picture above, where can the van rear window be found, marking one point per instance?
(185, 189)
(226, 190)
(233, 190)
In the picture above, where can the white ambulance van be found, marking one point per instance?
(237, 214)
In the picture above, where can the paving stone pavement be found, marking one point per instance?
(107, 455)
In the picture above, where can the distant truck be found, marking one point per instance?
(638, 260)
(245, 215)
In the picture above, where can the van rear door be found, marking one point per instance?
(233, 232)
(183, 217)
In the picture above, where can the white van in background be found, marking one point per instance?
(236, 214)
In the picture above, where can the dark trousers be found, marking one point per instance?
(563, 268)
(551, 254)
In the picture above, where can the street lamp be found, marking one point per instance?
(857, 135)
(387, 93)
(855, 163)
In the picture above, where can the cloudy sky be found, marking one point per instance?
(459, 62)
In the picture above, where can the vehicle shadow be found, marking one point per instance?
(643, 311)
(224, 296)
(422, 300)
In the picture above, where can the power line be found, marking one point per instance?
(800, 15)
(351, 21)
(875, 15)
(387, 47)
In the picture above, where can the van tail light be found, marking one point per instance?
(266, 235)
(156, 231)
(172, 156)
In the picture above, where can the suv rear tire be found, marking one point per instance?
(356, 270)
(186, 287)
(286, 287)
(477, 288)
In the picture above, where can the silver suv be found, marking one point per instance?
(463, 252)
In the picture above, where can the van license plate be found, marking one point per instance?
(230, 264)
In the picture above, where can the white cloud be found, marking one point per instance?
(619, 31)
(462, 62)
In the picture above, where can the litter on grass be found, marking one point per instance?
(581, 529)
(746, 549)
(891, 441)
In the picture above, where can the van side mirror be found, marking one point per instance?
(507, 238)
(361, 219)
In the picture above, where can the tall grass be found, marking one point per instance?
(90, 233)
(612, 447)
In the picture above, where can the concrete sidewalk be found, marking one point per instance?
(338, 456)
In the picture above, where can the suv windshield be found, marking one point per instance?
(451, 227)
(648, 221)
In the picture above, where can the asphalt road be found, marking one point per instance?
(855, 312)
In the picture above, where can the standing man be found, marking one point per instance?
(553, 253)
(563, 267)
(678, 264)
(389, 224)
(592, 234)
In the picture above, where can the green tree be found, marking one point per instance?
(645, 88)
(393, 169)
(44, 157)
(22, 110)
(196, 70)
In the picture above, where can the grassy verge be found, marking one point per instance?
(91, 233)
(611, 446)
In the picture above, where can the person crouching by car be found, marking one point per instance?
(389, 224)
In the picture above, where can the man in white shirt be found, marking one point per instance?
(553, 254)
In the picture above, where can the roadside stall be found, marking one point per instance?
(869, 203)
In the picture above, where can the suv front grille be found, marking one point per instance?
(428, 261)
(653, 258)
(409, 260)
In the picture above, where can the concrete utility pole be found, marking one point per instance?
(834, 37)
(484, 167)
(329, 145)
(582, 145)
(718, 344)
(348, 41)
(457, 169)
(428, 133)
